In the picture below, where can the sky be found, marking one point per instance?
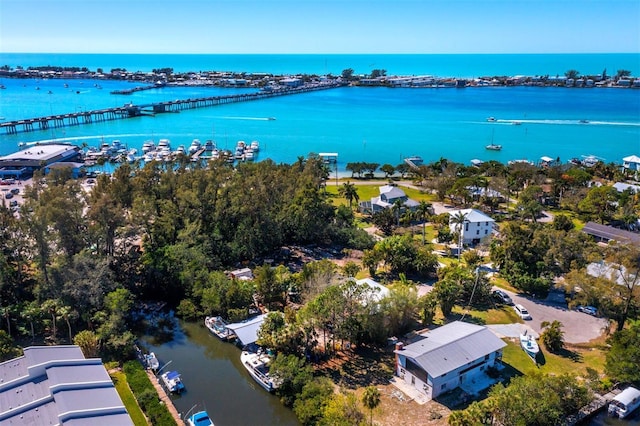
(312, 26)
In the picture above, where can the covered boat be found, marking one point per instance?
(623, 404)
(151, 361)
(172, 381)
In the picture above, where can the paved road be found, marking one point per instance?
(578, 327)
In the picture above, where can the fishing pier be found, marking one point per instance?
(130, 110)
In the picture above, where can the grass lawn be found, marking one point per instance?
(130, 403)
(571, 360)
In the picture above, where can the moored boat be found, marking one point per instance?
(151, 361)
(201, 418)
(257, 364)
(529, 345)
(172, 381)
(493, 147)
(623, 404)
(218, 327)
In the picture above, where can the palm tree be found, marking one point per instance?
(371, 399)
(350, 192)
(459, 219)
(423, 211)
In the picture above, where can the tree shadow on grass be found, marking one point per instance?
(364, 366)
(458, 316)
(572, 355)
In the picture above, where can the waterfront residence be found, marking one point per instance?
(476, 226)
(389, 195)
(56, 385)
(455, 355)
(631, 162)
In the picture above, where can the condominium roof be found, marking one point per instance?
(57, 385)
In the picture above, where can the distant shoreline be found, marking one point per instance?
(378, 78)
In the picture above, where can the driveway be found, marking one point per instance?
(578, 327)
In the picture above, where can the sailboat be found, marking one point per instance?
(492, 146)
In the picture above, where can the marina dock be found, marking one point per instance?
(162, 394)
(131, 110)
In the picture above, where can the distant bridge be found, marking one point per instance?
(131, 110)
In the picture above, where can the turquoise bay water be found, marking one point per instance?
(361, 124)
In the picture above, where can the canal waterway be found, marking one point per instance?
(216, 381)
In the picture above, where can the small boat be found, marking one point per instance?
(218, 327)
(623, 404)
(151, 361)
(516, 123)
(172, 381)
(491, 119)
(493, 147)
(195, 146)
(529, 345)
(271, 118)
(257, 364)
(201, 418)
(414, 159)
(255, 146)
(584, 121)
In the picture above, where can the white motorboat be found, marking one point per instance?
(255, 146)
(623, 404)
(493, 147)
(172, 381)
(529, 345)
(218, 327)
(195, 146)
(151, 361)
(201, 418)
(257, 364)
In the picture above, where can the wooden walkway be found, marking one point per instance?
(165, 398)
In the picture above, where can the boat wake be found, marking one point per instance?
(249, 118)
(569, 122)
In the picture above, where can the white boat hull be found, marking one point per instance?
(257, 366)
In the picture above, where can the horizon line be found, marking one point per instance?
(321, 53)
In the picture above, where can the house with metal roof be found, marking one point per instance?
(606, 234)
(476, 226)
(56, 385)
(389, 195)
(448, 357)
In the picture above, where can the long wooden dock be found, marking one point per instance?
(131, 110)
(165, 399)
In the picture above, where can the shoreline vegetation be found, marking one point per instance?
(377, 78)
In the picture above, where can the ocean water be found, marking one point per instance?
(361, 124)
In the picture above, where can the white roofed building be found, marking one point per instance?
(476, 226)
(631, 162)
(56, 385)
(389, 195)
(450, 356)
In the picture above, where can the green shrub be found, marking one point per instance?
(146, 394)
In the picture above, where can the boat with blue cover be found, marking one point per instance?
(201, 418)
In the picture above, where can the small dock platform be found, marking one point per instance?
(598, 403)
(162, 394)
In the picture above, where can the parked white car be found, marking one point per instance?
(522, 312)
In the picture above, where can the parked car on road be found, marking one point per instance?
(522, 312)
(591, 310)
(502, 297)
